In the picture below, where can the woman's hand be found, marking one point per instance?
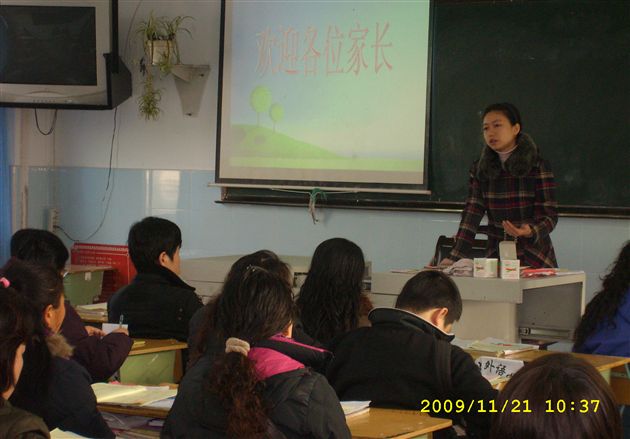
(446, 262)
(91, 330)
(121, 331)
(524, 231)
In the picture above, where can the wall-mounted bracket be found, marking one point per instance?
(190, 81)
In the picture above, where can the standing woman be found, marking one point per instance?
(16, 329)
(331, 301)
(514, 185)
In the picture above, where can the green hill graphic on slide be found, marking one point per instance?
(262, 147)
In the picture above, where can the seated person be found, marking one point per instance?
(53, 386)
(331, 301)
(202, 338)
(16, 329)
(102, 355)
(260, 384)
(605, 326)
(406, 357)
(566, 398)
(157, 303)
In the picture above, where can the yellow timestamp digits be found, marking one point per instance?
(562, 406)
(474, 406)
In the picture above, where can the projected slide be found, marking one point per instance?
(317, 92)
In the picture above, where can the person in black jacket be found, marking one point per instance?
(101, 355)
(52, 385)
(258, 385)
(405, 359)
(17, 321)
(157, 303)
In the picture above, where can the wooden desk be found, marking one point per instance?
(542, 308)
(612, 368)
(390, 423)
(148, 412)
(376, 423)
(603, 363)
(153, 363)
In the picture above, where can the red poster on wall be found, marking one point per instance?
(116, 256)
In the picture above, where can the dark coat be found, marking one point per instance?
(101, 357)
(16, 423)
(523, 192)
(155, 304)
(303, 405)
(393, 364)
(68, 402)
(610, 337)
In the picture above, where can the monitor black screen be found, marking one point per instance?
(48, 45)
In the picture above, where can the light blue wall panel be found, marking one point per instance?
(388, 239)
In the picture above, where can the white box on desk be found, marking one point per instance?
(510, 269)
(485, 267)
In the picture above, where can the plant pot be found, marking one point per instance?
(160, 52)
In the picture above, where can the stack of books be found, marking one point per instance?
(93, 311)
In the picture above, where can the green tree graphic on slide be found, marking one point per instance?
(276, 113)
(260, 100)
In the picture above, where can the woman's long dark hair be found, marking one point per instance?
(257, 307)
(603, 307)
(265, 259)
(40, 285)
(329, 301)
(566, 398)
(17, 324)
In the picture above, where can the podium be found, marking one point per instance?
(545, 308)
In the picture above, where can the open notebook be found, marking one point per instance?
(354, 408)
(130, 395)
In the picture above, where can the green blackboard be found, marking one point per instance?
(564, 63)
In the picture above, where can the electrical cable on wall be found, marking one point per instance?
(109, 187)
(312, 201)
(52, 125)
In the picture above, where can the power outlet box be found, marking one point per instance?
(52, 219)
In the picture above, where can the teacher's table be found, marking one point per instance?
(543, 308)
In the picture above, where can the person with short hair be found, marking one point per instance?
(17, 321)
(53, 386)
(102, 355)
(157, 303)
(405, 359)
(560, 396)
(259, 385)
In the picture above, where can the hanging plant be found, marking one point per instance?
(159, 40)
